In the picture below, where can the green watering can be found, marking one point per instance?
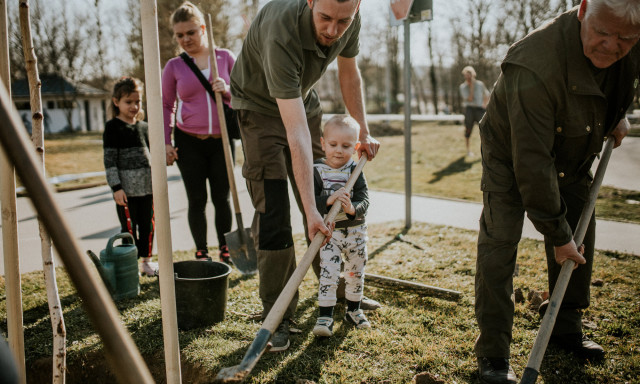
(118, 267)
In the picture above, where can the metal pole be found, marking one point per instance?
(151, 48)
(407, 122)
(387, 72)
(11, 255)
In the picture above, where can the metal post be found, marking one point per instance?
(407, 122)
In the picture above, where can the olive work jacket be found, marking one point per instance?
(546, 120)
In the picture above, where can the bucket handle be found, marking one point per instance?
(120, 235)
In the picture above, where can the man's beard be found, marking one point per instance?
(316, 37)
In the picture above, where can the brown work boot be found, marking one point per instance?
(579, 345)
(496, 370)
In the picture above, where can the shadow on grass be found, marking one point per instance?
(459, 165)
(398, 237)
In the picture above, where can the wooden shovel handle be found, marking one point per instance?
(226, 144)
(544, 333)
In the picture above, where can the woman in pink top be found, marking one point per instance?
(197, 147)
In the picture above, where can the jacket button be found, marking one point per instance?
(561, 174)
(588, 128)
(559, 129)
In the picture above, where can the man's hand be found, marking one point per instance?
(315, 224)
(570, 251)
(171, 153)
(120, 197)
(620, 131)
(370, 146)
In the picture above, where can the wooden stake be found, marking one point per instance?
(149, 13)
(410, 286)
(59, 331)
(125, 359)
(11, 255)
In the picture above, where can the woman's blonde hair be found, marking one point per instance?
(187, 11)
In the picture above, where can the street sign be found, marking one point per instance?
(414, 10)
(400, 8)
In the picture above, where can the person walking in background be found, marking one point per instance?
(198, 148)
(475, 97)
(349, 237)
(127, 162)
(545, 124)
(288, 47)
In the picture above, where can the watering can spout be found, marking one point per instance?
(107, 274)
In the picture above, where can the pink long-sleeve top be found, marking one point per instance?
(184, 97)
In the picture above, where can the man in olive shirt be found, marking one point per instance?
(288, 47)
(545, 123)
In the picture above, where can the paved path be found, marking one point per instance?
(91, 215)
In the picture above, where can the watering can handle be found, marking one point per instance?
(120, 235)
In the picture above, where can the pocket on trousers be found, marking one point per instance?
(254, 175)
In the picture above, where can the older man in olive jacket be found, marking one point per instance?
(545, 123)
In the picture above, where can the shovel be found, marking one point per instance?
(240, 242)
(530, 374)
(238, 373)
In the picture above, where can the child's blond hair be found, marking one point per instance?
(342, 121)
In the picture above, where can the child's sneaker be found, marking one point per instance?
(148, 268)
(324, 327)
(224, 255)
(357, 318)
(202, 254)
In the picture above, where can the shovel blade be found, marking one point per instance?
(242, 251)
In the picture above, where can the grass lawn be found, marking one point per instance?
(410, 334)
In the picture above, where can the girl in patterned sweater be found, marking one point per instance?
(128, 167)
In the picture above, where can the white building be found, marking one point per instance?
(87, 105)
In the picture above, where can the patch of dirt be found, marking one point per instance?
(384, 129)
(94, 368)
(426, 378)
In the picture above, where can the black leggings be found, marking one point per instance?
(199, 160)
(137, 219)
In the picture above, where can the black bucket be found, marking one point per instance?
(201, 292)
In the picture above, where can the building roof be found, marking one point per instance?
(55, 85)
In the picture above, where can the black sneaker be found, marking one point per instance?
(225, 257)
(280, 339)
(203, 255)
(496, 370)
(579, 345)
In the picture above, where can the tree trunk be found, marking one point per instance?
(432, 74)
(55, 308)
